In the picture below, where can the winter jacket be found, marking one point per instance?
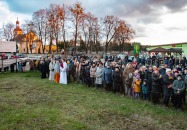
(107, 75)
(156, 83)
(166, 81)
(178, 85)
(137, 86)
(117, 78)
(162, 71)
(98, 75)
(148, 76)
(145, 88)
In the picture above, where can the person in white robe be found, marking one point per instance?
(27, 67)
(63, 72)
(51, 70)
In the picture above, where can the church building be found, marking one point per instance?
(27, 43)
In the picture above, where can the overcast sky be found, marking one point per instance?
(154, 21)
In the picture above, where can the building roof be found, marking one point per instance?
(175, 49)
(159, 49)
(167, 44)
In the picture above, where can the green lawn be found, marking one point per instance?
(29, 102)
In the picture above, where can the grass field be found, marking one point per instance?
(28, 102)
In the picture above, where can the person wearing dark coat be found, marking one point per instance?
(177, 61)
(107, 77)
(43, 69)
(178, 88)
(47, 62)
(182, 63)
(167, 81)
(157, 63)
(185, 80)
(148, 76)
(170, 63)
(117, 80)
(162, 71)
(83, 73)
(87, 75)
(143, 61)
(156, 87)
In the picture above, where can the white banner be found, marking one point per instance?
(7, 46)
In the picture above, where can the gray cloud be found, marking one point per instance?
(176, 29)
(136, 12)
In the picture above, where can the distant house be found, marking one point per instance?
(24, 41)
(182, 46)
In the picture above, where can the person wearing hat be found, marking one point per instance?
(167, 81)
(178, 88)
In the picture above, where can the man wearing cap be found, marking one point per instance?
(167, 86)
(178, 88)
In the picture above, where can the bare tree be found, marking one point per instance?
(39, 19)
(110, 23)
(8, 31)
(96, 33)
(76, 13)
(87, 26)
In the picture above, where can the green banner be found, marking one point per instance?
(180, 45)
(136, 49)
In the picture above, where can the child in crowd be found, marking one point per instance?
(145, 89)
(136, 87)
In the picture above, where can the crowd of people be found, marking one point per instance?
(164, 83)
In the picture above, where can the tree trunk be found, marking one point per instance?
(57, 44)
(106, 47)
(76, 29)
(50, 45)
(27, 47)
